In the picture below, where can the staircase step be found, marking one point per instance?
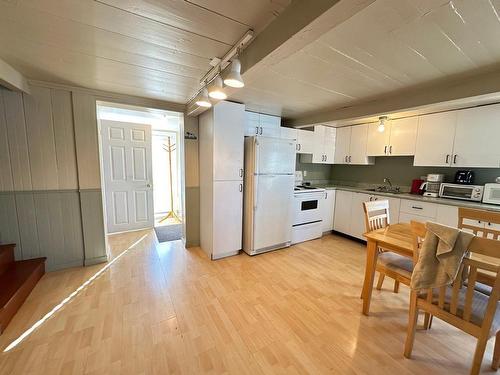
(6, 256)
(17, 282)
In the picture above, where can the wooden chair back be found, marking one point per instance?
(418, 231)
(480, 222)
(459, 310)
(376, 214)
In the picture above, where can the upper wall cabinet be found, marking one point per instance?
(261, 124)
(305, 141)
(323, 148)
(288, 133)
(398, 138)
(351, 144)
(464, 138)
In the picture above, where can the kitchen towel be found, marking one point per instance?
(440, 256)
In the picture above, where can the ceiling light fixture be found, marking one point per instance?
(215, 89)
(202, 100)
(233, 78)
(381, 124)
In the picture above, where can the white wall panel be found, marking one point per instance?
(6, 183)
(87, 147)
(18, 143)
(41, 143)
(64, 136)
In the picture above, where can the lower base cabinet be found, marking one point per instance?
(349, 214)
(327, 210)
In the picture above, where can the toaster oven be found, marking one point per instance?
(460, 191)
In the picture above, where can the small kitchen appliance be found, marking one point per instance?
(461, 191)
(415, 186)
(464, 177)
(432, 185)
(492, 193)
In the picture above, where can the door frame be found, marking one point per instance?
(181, 142)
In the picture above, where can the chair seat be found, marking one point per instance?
(479, 305)
(396, 263)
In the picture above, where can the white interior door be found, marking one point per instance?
(127, 171)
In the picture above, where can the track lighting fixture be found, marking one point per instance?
(215, 89)
(202, 100)
(233, 78)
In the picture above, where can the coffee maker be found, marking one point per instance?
(432, 185)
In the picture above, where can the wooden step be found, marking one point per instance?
(6, 256)
(17, 281)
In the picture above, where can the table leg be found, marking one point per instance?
(371, 263)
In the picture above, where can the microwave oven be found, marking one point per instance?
(460, 191)
(491, 193)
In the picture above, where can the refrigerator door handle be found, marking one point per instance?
(254, 193)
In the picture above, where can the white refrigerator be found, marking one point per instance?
(268, 194)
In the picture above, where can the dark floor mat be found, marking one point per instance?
(166, 233)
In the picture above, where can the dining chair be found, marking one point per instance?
(463, 306)
(389, 264)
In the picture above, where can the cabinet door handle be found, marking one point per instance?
(346, 158)
(326, 158)
(326, 195)
(261, 130)
(455, 159)
(241, 188)
(385, 150)
(300, 147)
(390, 150)
(447, 158)
(257, 130)
(371, 199)
(241, 172)
(350, 158)
(417, 208)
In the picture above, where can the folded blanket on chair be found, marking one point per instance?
(440, 256)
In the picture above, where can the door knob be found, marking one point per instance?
(148, 185)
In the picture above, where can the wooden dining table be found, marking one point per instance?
(396, 238)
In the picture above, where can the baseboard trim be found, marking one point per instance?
(97, 260)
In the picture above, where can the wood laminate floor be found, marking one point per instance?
(162, 309)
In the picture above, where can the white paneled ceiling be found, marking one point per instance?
(390, 46)
(150, 48)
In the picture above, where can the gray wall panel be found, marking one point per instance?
(9, 230)
(26, 217)
(93, 225)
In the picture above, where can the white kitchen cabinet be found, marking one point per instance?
(398, 138)
(357, 147)
(324, 146)
(288, 133)
(447, 215)
(261, 124)
(350, 145)
(477, 138)
(221, 145)
(228, 142)
(227, 221)
(358, 214)
(378, 141)
(342, 145)
(405, 217)
(328, 209)
(342, 211)
(305, 141)
(435, 137)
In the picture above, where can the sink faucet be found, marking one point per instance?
(387, 180)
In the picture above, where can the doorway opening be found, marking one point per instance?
(141, 153)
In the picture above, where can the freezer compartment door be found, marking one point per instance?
(274, 156)
(272, 211)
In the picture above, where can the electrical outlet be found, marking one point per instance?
(304, 173)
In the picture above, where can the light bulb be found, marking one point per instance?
(381, 125)
(215, 89)
(233, 78)
(202, 100)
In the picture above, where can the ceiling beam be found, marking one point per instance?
(450, 89)
(13, 80)
(301, 23)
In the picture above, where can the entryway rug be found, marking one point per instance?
(166, 233)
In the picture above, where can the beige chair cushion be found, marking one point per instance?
(479, 305)
(396, 263)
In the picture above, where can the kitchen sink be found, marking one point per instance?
(383, 189)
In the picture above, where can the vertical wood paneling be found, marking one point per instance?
(64, 137)
(9, 230)
(72, 229)
(40, 130)
(87, 147)
(18, 143)
(26, 217)
(93, 225)
(6, 183)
